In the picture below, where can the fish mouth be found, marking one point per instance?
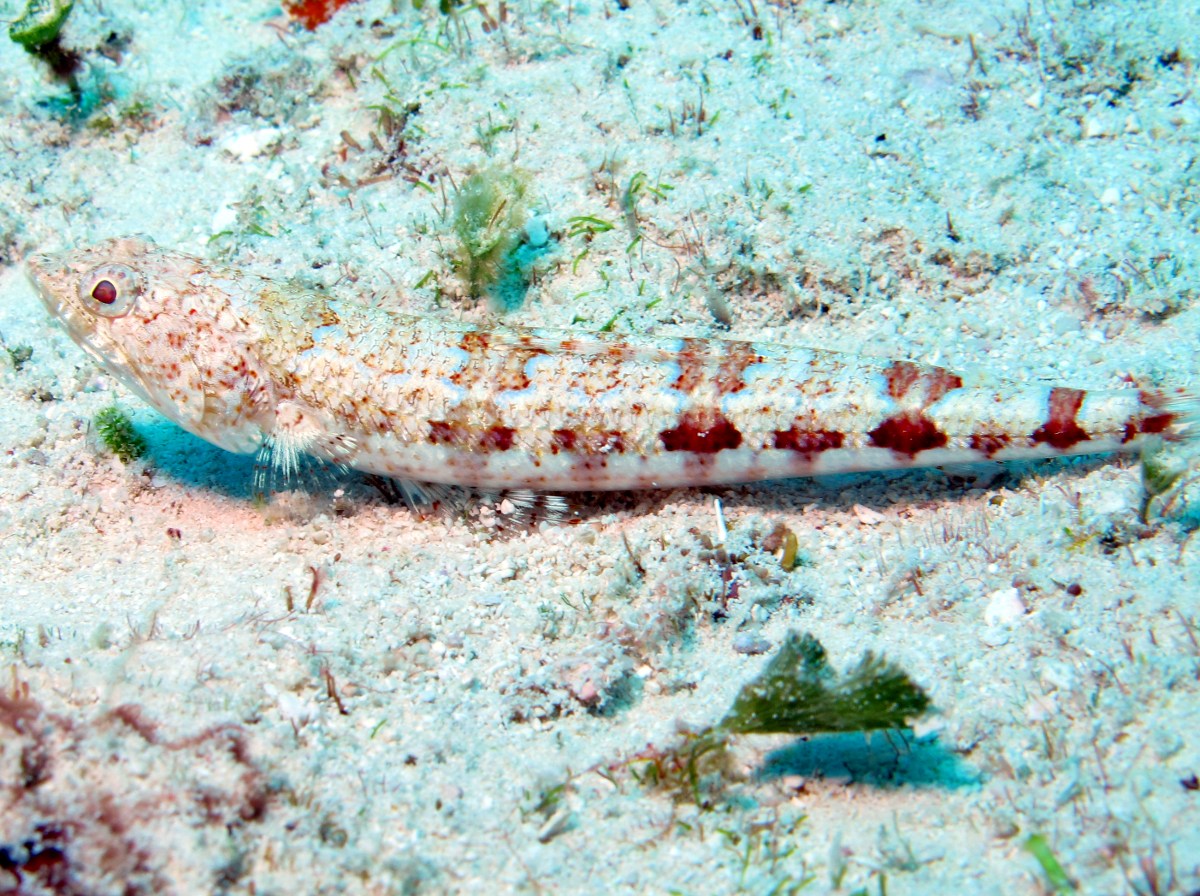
(37, 268)
(50, 277)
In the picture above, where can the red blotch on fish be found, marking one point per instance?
(807, 441)
(909, 433)
(988, 443)
(701, 433)
(1060, 429)
(497, 438)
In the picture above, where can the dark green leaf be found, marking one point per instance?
(799, 693)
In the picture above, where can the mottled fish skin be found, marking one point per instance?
(246, 363)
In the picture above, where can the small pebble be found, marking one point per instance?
(1003, 606)
(995, 637)
(750, 644)
(248, 144)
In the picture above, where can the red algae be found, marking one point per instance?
(311, 13)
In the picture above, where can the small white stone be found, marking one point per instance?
(750, 644)
(1034, 100)
(224, 219)
(995, 636)
(867, 516)
(1093, 127)
(294, 710)
(248, 144)
(1111, 196)
(1003, 606)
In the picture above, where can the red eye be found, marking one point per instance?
(110, 290)
(104, 292)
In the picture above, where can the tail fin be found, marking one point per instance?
(1174, 414)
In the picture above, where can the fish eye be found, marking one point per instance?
(110, 290)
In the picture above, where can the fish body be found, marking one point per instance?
(249, 363)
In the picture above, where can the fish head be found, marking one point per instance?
(167, 328)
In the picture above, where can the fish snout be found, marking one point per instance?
(40, 269)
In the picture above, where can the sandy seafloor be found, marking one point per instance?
(1006, 185)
